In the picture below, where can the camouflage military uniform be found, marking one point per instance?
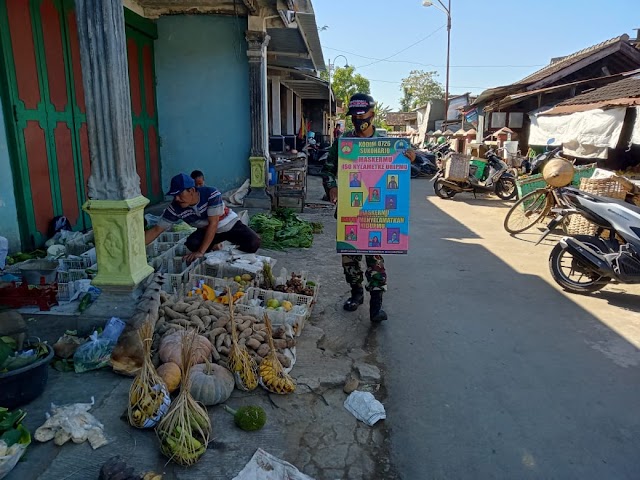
(352, 264)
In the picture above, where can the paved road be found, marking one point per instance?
(492, 371)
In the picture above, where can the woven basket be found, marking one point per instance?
(603, 187)
(457, 168)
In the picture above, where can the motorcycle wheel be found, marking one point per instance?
(527, 211)
(506, 188)
(572, 275)
(442, 190)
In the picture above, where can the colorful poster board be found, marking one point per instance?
(374, 180)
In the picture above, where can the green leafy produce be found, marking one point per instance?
(11, 429)
(249, 419)
(283, 229)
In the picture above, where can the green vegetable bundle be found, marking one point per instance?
(283, 229)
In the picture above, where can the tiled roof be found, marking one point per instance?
(626, 88)
(400, 118)
(567, 61)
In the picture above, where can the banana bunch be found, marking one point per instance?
(243, 367)
(182, 447)
(273, 376)
(144, 406)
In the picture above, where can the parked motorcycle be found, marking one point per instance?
(316, 158)
(424, 164)
(584, 263)
(496, 178)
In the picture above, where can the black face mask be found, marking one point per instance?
(361, 124)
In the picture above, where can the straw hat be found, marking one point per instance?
(558, 172)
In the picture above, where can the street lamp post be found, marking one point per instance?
(331, 127)
(447, 11)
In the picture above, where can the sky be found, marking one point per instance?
(493, 42)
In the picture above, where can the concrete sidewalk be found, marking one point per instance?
(310, 428)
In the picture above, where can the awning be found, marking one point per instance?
(582, 134)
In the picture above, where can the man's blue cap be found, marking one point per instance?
(180, 182)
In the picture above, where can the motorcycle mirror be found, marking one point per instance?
(551, 141)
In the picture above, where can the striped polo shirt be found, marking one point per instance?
(210, 204)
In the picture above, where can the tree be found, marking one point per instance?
(418, 88)
(345, 82)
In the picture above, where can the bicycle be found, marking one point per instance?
(533, 207)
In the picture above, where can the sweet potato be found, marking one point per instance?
(244, 325)
(224, 351)
(263, 350)
(172, 314)
(197, 322)
(246, 333)
(284, 360)
(194, 305)
(253, 343)
(180, 307)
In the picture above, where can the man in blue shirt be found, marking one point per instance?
(203, 208)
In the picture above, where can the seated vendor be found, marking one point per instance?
(203, 208)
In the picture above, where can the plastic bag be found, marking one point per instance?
(94, 354)
(365, 407)
(9, 457)
(113, 329)
(72, 422)
(4, 251)
(264, 466)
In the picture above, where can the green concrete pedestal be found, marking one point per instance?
(118, 227)
(258, 198)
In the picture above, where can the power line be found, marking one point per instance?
(404, 49)
(396, 82)
(430, 64)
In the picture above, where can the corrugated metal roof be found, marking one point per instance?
(622, 89)
(571, 59)
(309, 30)
(309, 90)
(400, 118)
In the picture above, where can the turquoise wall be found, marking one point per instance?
(8, 213)
(203, 98)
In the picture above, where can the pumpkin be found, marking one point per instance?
(211, 383)
(171, 375)
(171, 349)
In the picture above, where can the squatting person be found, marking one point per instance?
(203, 208)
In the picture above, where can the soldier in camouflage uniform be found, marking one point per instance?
(361, 111)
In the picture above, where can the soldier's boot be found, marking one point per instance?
(376, 313)
(355, 300)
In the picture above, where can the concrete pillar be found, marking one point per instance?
(257, 42)
(276, 118)
(115, 203)
(298, 121)
(290, 117)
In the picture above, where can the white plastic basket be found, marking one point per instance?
(254, 303)
(65, 291)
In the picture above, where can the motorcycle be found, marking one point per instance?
(316, 156)
(424, 165)
(584, 263)
(496, 178)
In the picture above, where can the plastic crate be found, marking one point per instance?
(529, 183)
(224, 270)
(173, 237)
(65, 291)
(583, 171)
(78, 263)
(217, 284)
(296, 317)
(178, 281)
(479, 165)
(158, 248)
(284, 276)
(71, 275)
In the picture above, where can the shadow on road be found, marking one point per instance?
(496, 374)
